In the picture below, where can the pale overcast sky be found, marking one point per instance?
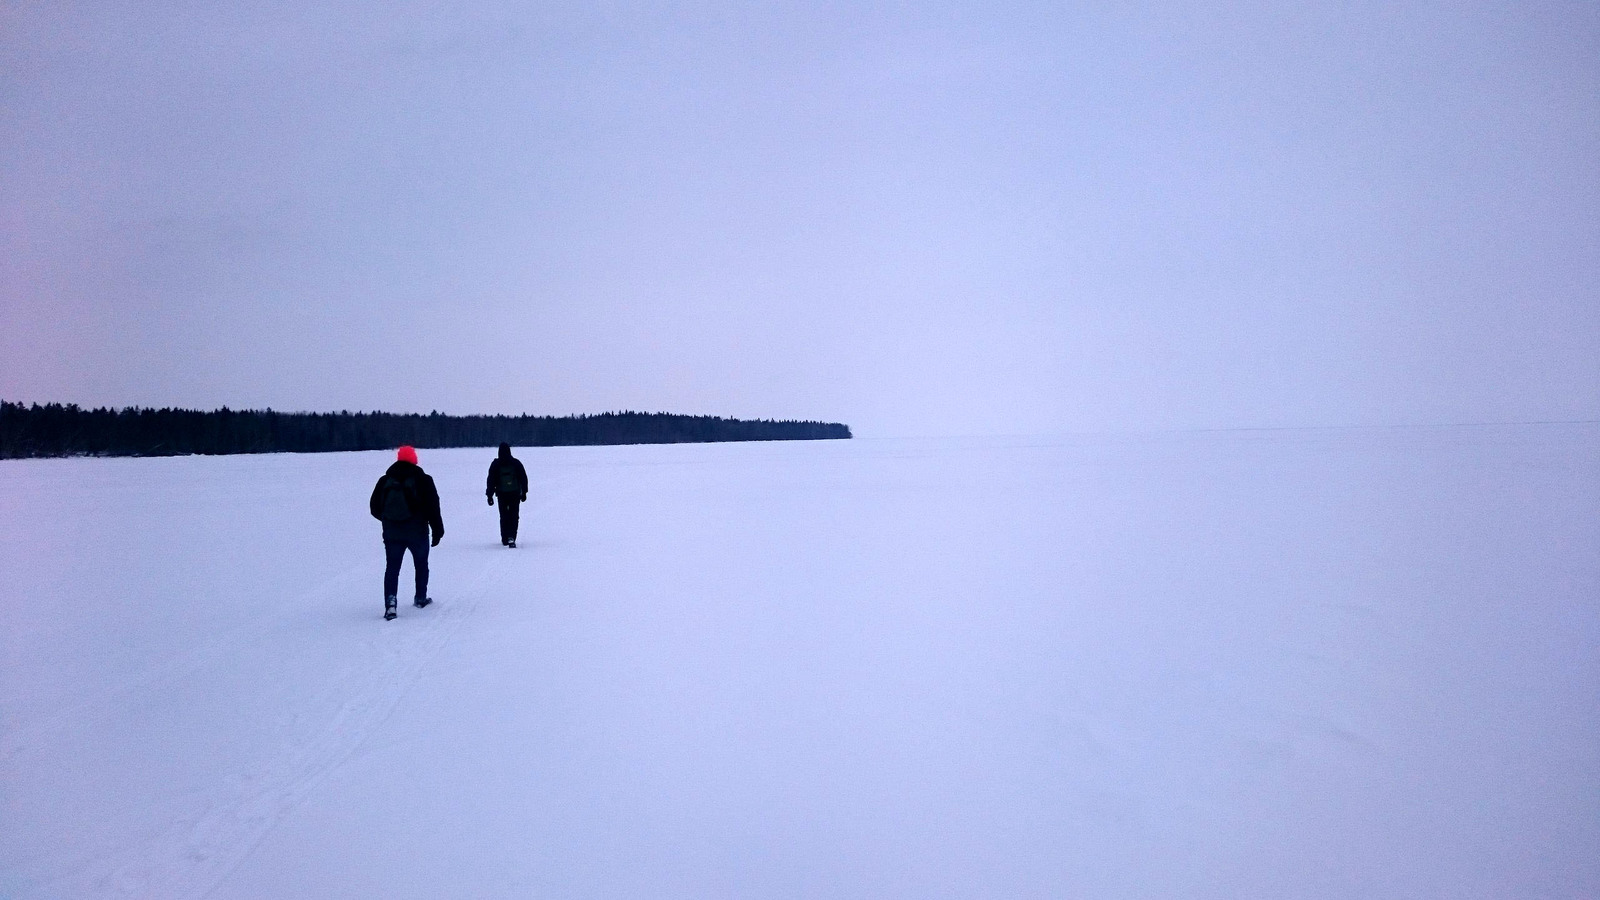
(915, 218)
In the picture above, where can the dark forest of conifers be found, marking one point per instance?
(68, 430)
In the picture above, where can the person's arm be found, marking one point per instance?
(523, 472)
(372, 504)
(488, 486)
(437, 521)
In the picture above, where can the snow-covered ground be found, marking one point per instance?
(1322, 663)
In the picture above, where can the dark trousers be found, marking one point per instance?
(508, 517)
(395, 545)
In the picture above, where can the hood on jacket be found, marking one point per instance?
(505, 451)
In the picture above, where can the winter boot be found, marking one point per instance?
(389, 603)
(420, 602)
(512, 543)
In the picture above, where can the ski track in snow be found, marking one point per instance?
(192, 855)
(188, 858)
(18, 740)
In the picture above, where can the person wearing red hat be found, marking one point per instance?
(407, 503)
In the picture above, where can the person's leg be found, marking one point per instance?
(508, 519)
(419, 559)
(393, 553)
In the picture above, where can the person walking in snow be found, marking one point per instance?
(509, 480)
(407, 504)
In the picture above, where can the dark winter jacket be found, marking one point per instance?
(504, 460)
(426, 512)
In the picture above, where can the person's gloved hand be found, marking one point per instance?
(438, 536)
(490, 498)
(524, 497)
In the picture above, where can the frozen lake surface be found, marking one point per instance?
(1319, 663)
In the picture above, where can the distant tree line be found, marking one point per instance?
(69, 430)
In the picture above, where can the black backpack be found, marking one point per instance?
(399, 501)
(510, 484)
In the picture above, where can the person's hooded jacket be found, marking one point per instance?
(426, 512)
(504, 460)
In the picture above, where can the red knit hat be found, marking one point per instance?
(408, 454)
